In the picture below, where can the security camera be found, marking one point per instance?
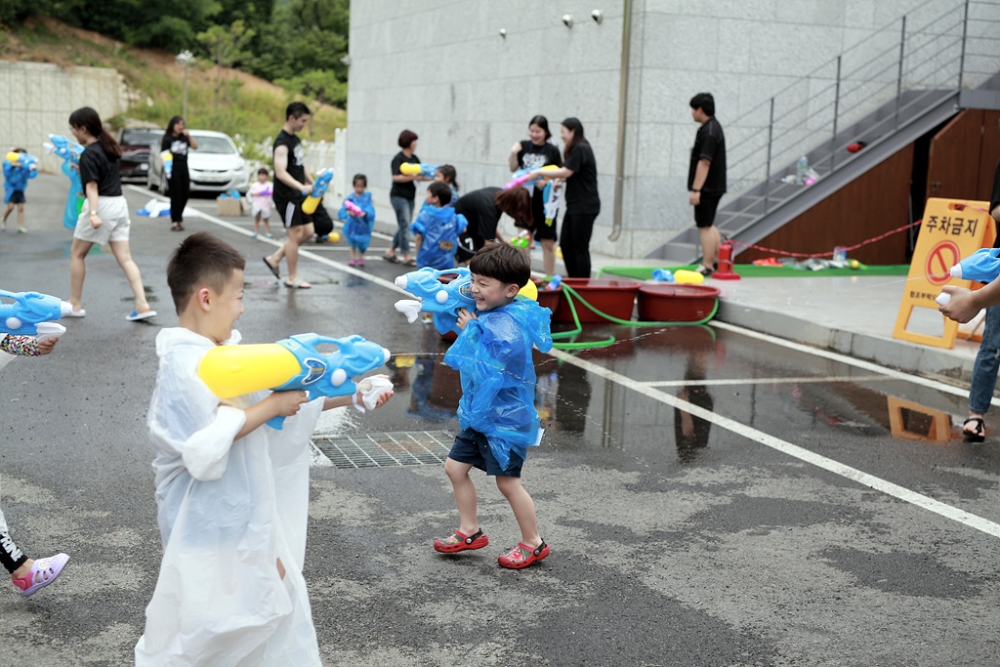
(568, 20)
(597, 15)
(503, 33)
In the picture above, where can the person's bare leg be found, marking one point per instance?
(20, 217)
(122, 252)
(524, 509)
(77, 271)
(710, 240)
(296, 236)
(7, 212)
(465, 495)
(549, 256)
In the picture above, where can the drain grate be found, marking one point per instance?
(383, 450)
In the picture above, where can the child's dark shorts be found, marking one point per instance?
(473, 448)
(17, 197)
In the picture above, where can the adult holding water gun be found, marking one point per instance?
(104, 218)
(292, 184)
(178, 140)
(18, 168)
(583, 203)
(963, 306)
(403, 196)
(534, 153)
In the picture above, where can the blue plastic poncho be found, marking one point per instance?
(358, 230)
(440, 228)
(493, 354)
(15, 176)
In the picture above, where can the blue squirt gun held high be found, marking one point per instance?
(289, 365)
(982, 266)
(70, 152)
(28, 310)
(444, 300)
(320, 186)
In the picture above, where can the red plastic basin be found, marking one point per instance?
(676, 303)
(613, 297)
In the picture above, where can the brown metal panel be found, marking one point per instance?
(990, 153)
(953, 163)
(876, 202)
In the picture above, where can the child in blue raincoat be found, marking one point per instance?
(358, 227)
(493, 354)
(436, 229)
(15, 181)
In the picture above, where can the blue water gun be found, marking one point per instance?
(70, 152)
(414, 169)
(293, 364)
(983, 266)
(523, 176)
(28, 310)
(444, 300)
(320, 185)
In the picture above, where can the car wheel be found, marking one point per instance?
(150, 184)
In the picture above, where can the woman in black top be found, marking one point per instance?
(483, 208)
(402, 196)
(534, 153)
(104, 218)
(583, 204)
(178, 140)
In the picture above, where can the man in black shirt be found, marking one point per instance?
(292, 183)
(707, 177)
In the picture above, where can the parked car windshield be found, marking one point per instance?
(216, 145)
(140, 137)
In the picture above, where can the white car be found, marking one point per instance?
(216, 166)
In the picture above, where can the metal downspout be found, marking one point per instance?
(616, 228)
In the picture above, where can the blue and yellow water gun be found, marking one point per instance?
(291, 364)
(415, 169)
(28, 310)
(70, 152)
(320, 185)
(443, 300)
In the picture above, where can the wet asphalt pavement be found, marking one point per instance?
(678, 537)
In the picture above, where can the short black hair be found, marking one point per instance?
(705, 102)
(440, 190)
(201, 259)
(263, 170)
(359, 177)
(504, 262)
(297, 109)
(407, 137)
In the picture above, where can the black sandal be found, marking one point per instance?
(176, 227)
(979, 434)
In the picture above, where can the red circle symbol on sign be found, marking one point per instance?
(940, 259)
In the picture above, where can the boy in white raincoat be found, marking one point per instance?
(232, 495)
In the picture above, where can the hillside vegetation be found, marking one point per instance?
(248, 106)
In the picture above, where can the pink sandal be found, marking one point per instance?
(43, 572)
(523, 555)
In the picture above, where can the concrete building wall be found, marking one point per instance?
(38, 98)
(441, 69)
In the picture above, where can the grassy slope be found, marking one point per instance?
(248, 106)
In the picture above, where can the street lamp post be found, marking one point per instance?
(184, 59)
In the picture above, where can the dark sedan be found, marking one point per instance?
(135, 143)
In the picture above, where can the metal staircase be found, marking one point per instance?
(940, 57)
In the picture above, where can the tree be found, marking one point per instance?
(225, 47)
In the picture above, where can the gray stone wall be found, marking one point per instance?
(441, 69)
(38, 98)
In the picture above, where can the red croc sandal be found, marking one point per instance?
(459, 541)
(523, 555)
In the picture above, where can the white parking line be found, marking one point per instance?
(850, 361)
(743, 381)
(877, 483)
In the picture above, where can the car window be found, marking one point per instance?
(216, 145)
(139, 137)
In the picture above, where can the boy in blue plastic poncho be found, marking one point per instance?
(437, 228)
(16, 175)
(359, 222)
(497, 411)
